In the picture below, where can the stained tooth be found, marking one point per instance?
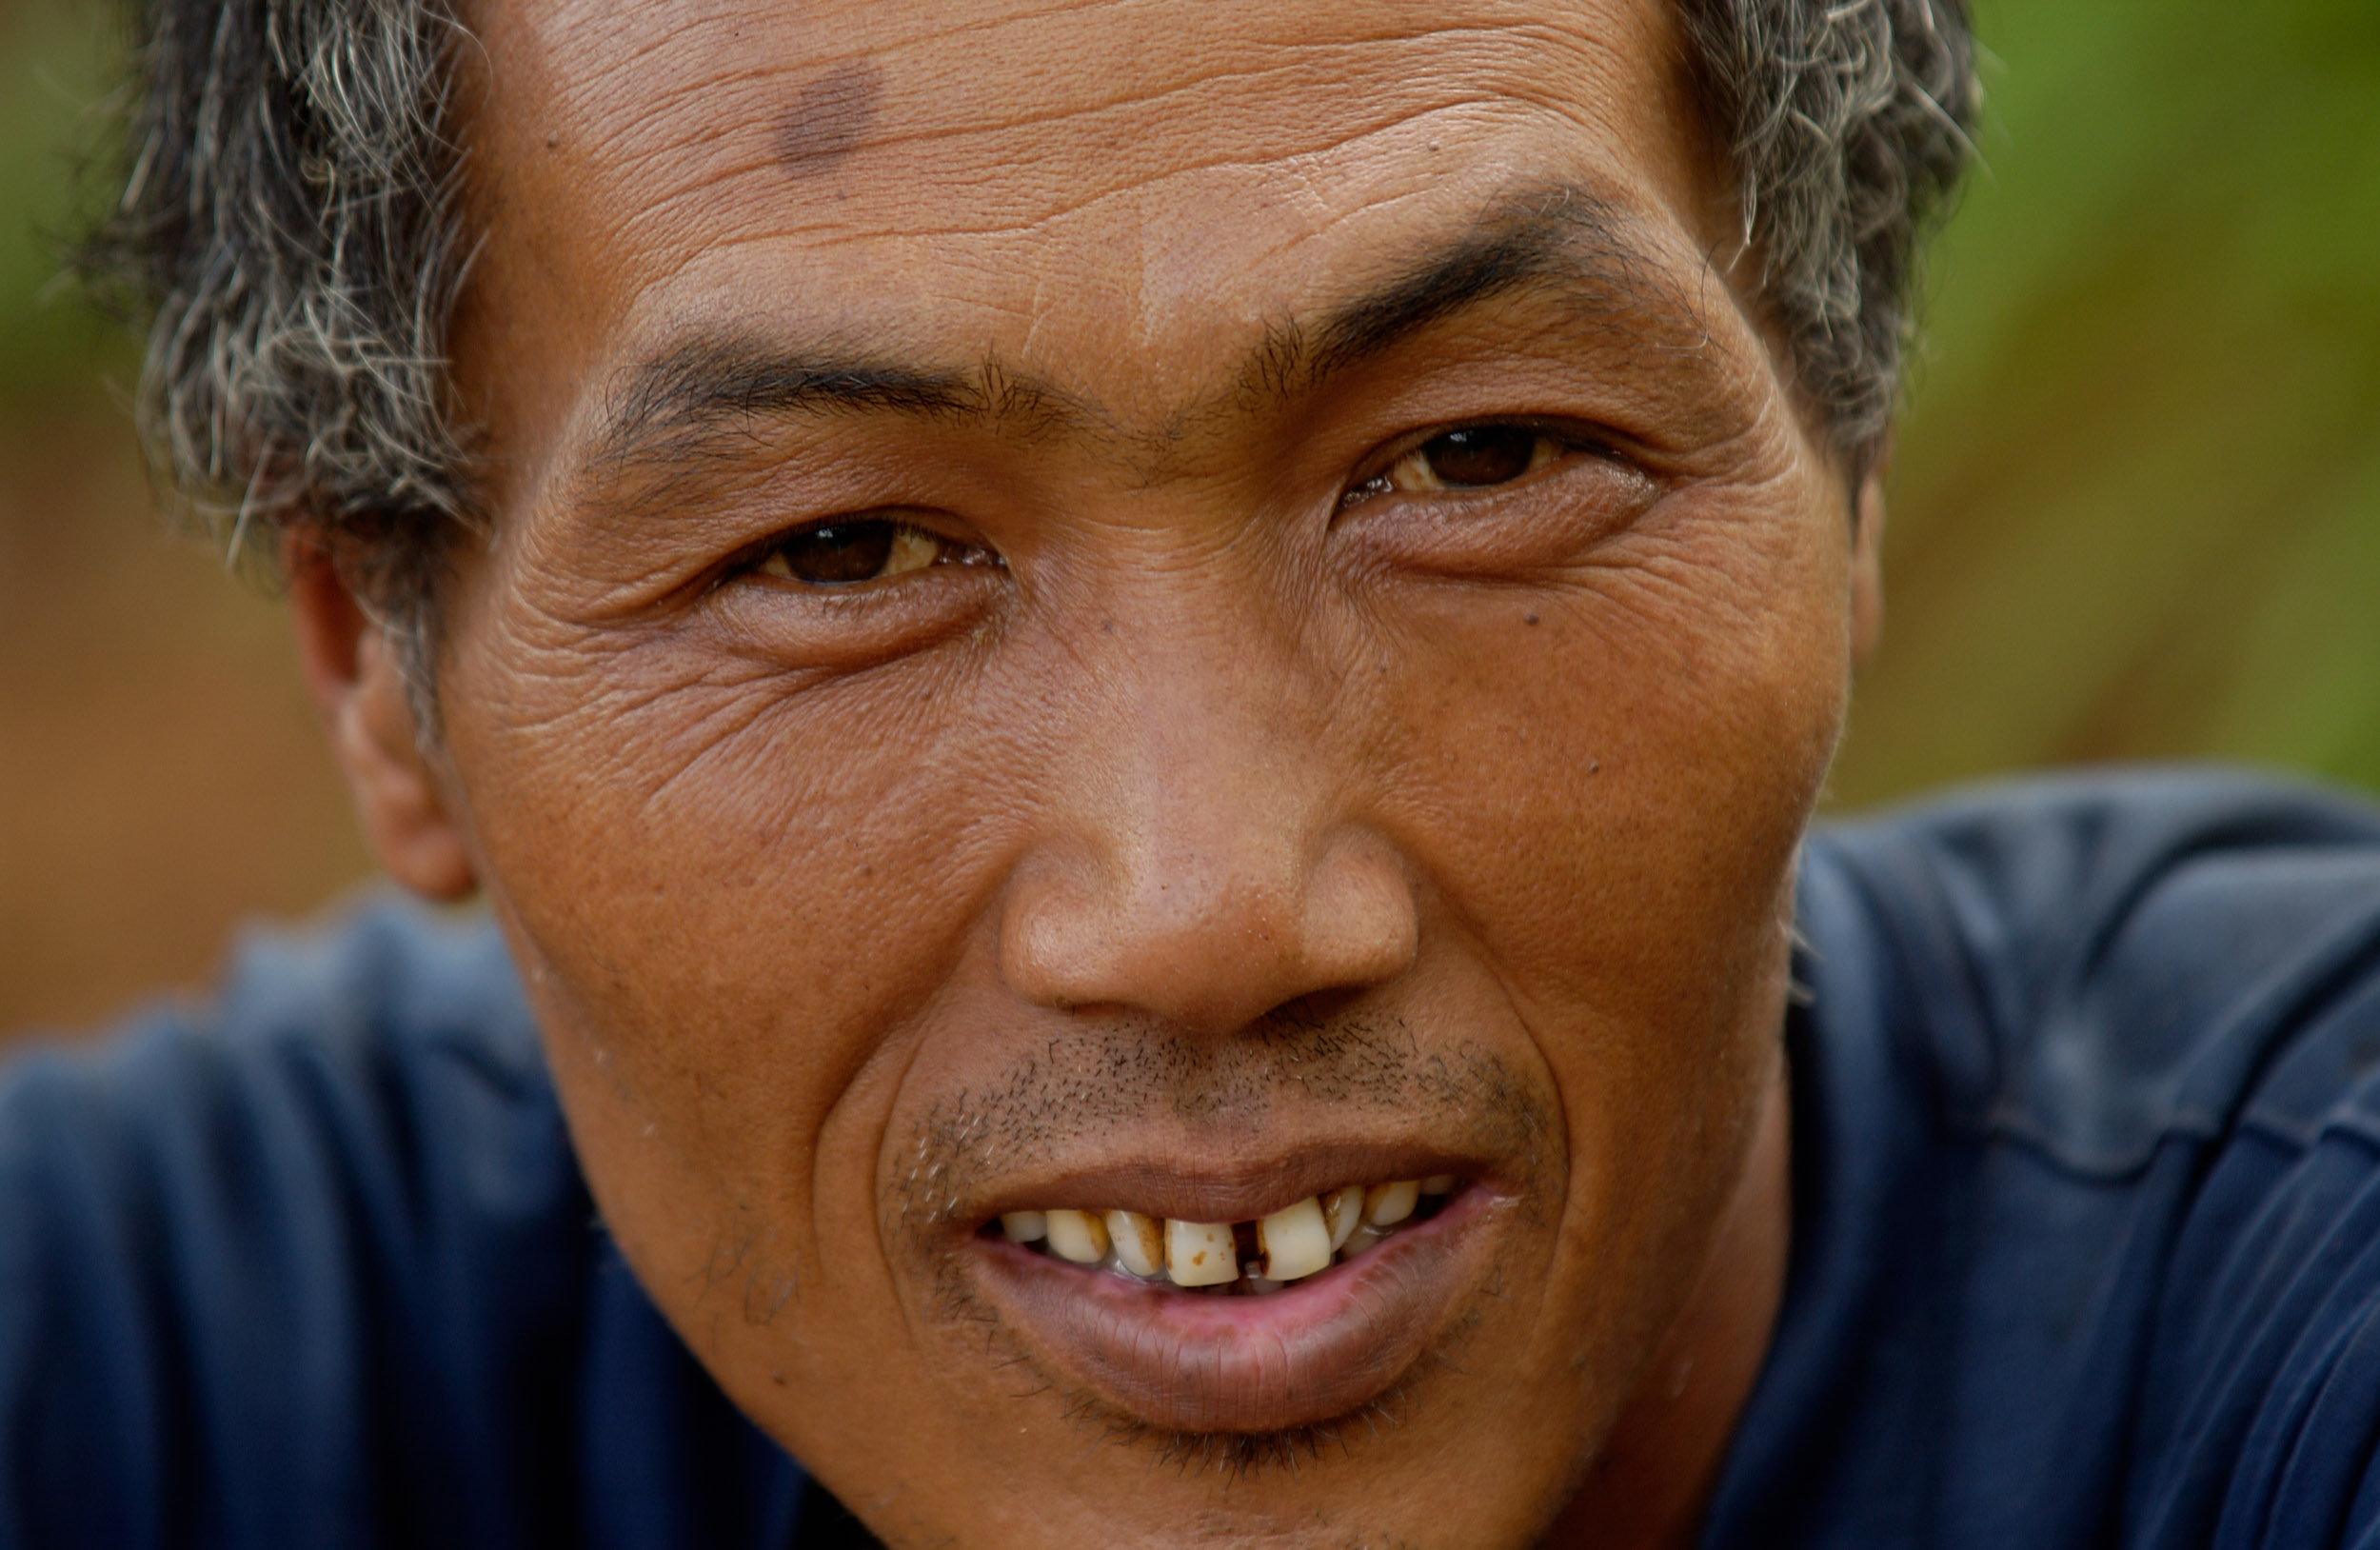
(1078, 1235)
(1385, 1206)
(1139, 1241)
(1201, 1253)
(1345, 1209)
(1025, 1226)
(1296, 1240)
(1438, 1183)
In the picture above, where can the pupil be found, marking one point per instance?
(840, 552)
(1484, 455)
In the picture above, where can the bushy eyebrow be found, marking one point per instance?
(672, 411)
(670, 405)
(1565, 237)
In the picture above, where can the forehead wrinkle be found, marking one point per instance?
(827, 223)
(1283, 58)
(1121, 117)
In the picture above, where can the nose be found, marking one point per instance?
(1202, 863)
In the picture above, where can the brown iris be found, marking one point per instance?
(1475, 458)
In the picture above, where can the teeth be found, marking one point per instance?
(1252, 1256)
(1296, 1240)
(1201, 1253)
(1078, 1235)
(1385, 1206)
(1138, 1242)
(1345, 1209)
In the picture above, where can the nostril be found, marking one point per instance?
(1316, 1008)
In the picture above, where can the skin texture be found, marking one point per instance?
(1235, 826)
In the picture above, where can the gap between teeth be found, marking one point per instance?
(1293, 1242)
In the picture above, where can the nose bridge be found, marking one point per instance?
(1218, 793)
(1201, 862)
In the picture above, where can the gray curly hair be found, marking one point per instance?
(291, 228)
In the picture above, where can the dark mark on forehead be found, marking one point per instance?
(829, 118)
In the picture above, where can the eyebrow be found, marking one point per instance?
(673, 409)
(672, 403)
(1565, 237)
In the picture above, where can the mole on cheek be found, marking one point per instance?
(829, 118)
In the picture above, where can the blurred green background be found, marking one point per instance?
(2135, 508)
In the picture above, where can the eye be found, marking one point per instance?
(1474, 457)
(859, 549)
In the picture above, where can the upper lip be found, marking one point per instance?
(1237, 1188)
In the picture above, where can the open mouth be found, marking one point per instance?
(1302, 1315)
(1248, 1258)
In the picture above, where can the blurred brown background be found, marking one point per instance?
(160, 774)
(2137, 506)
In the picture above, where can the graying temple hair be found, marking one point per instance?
(291, 221)
(1847, 122)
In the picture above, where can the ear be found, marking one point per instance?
(352, 674)
(1867, 566)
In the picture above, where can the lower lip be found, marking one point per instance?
(1190, 1361)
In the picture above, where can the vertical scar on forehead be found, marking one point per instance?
(829, 118)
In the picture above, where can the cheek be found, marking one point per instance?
(1610, 800)
(1610, 776)
(732, 901)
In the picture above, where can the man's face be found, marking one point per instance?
(1164, 607)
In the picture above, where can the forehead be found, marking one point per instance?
(1056, 185)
